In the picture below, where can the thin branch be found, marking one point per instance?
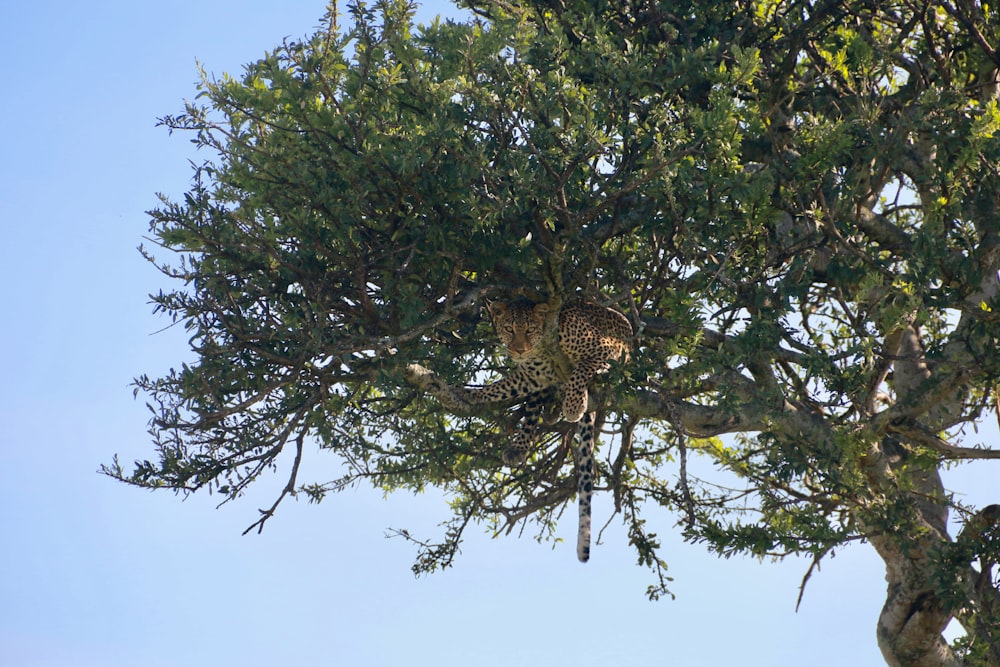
(684, 484)
(628, 435)
(289, 487)
(923, 436)
(814, 565)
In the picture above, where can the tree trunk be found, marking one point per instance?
(914, 616)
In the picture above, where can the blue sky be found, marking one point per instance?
(94, 573)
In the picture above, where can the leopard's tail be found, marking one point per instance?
(585, 484)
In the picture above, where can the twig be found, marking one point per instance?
(685, 487)
(289, 487)
(814, 565)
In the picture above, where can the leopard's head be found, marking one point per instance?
(519, 326)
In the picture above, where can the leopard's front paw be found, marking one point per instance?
(572, 411)
(574, 403)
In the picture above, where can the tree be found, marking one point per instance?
(797, 205)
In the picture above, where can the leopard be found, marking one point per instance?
(590, 336)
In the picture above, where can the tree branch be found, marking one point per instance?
(883, 232)
(289, 486)
(921, 435)
(429, 381)
(697, 421)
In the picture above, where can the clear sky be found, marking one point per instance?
(94, 573)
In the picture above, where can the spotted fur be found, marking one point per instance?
(589, 336)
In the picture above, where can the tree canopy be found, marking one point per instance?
(796, 204)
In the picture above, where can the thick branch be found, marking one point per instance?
(883, 232)
(982, 617)
(698, 421)
(449, 397)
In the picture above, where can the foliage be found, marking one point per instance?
(795, 203)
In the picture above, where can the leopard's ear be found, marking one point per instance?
(496, 309)
(541, 309)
